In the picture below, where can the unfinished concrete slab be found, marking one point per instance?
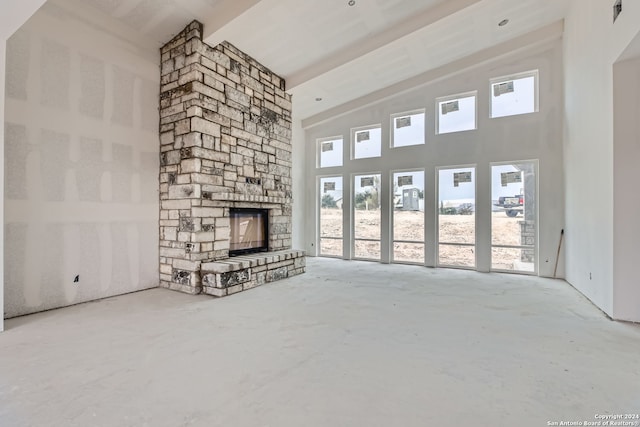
(347, 344)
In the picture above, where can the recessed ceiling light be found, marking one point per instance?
(318, 99)
(352, 2)
(503, 23)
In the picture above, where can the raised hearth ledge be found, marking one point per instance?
(236, 274)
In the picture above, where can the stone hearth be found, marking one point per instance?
(225, 135)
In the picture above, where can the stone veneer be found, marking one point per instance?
(225, 135)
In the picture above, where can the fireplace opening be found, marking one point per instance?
(249, 231)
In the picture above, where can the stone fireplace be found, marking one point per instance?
(225, 135)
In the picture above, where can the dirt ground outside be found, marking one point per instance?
(454, 230)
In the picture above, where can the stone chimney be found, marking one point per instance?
(225, 135)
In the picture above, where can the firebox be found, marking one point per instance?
(249, 230)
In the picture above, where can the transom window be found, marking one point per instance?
(407, 128)
(366, 142)
(456, 113)
(330, 152)
(513, 95)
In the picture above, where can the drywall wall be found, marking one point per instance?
(81, 164)
(3, 45)
(592, 44)
(626, 205)
(523, 137)
(298, 172)
(13, 13)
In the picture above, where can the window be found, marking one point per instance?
(408, 217)
(366, 216)
(514, 95)
(514, 216)
(456, 113)
(365, 142)
(457, 217)
(407, 129)
(330, 152)
(331, 216)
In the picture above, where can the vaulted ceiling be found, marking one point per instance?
(339, 52)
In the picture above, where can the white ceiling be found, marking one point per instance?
(340, 53)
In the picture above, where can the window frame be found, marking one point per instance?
(392, 128)
(392, 218)
(511, 77)
(457, 96)
(319, 236)
(353, 140)
(319, 143)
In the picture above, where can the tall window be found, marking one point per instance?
(330, 152)
(407, 129)
(456, 113)
(517, 94)
(366, 216)
(331, 218)
(514, 216)
(457, 217)
(366, 142)
(408, 216)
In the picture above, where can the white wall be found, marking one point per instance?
(13, 13)
(81, 165)
(524, 137)
(3, 45)
(626, 158)
(298, 176)
(592, 44)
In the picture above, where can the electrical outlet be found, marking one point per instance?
(589, 275)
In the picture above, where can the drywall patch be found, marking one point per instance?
(54, 163)
(92, 87)
(89, 265)
(123, 86)
(71, 264)
(121, 264)
(55, 65)
(14, 258)
(90, 169)
(121, 166)
(148, 246)
(105, 240)
(51, 267)
(149, 164)
(16, 150)
(149, 103)
(71, 186)
(17, 71)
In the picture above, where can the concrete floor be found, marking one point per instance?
(346, 344)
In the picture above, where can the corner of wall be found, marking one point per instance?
(3, 46)
(298, 175)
